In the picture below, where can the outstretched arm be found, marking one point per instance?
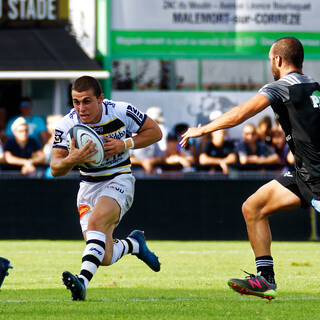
(229, 119)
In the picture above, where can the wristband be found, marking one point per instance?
(128, 144)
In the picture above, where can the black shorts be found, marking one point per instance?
(290, 181)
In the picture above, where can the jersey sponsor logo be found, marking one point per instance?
(114, 187)
(108, 128)
(315, 99)
(72, 113)
(83, 209)
(57, 136)
(109, 103)
(117, 135)
(98, 130)
(134, 113)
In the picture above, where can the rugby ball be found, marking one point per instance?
(82, 134)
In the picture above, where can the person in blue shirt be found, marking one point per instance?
(36, 124)
(254, 153)
(22, 152)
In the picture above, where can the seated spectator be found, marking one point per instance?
(156, 114)
(264, 129)
(254, 153)
(36, 124)
(280, 146)
(22, 152)
(147, 157)
(218, 153)
(176, 157)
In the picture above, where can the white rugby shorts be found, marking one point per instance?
(120, 188)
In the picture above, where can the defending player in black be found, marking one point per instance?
(295, 100)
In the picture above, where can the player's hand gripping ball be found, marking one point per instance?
(82, 134)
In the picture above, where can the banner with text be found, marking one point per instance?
(212, 27)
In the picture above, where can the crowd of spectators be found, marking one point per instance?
(260, 148)
(27, 139)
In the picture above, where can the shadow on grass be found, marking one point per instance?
(140, 303)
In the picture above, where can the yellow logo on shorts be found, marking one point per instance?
(83, 209)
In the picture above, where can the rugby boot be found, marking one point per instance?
(255, 285)
(4, 267)
(75, 285)
(145, 254)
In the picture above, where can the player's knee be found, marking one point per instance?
(253, 211)
(249, 211)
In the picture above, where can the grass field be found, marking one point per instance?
(191, 285)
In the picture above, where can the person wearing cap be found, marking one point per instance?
(156, 114)
(22, 152)
(217, 153)
(36, 124)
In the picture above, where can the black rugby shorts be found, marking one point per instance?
(290, 181)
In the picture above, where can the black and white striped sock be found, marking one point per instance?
(123, 247)
(264, 265)
(93, 255)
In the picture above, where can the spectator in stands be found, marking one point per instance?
(264, 129)
(36, 124)
(156, 114)
(22, 152)
(52, 121)
(218, 153)
(147, 157)
(254, 153)
(280, 146)
(176, 157)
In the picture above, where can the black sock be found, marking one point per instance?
(264, 265)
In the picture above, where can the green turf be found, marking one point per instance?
(191, 285)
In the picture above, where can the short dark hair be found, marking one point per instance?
(85, 83)
(290, 49)
(267, 120)
(25, 102)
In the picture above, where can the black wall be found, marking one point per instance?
(165, 209)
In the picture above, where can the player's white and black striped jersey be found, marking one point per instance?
(295, 99)
(119, 120)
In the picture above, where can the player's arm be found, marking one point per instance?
(231, 118)
(62, 161)
(148, 134)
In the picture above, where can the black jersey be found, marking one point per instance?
(295, 100)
